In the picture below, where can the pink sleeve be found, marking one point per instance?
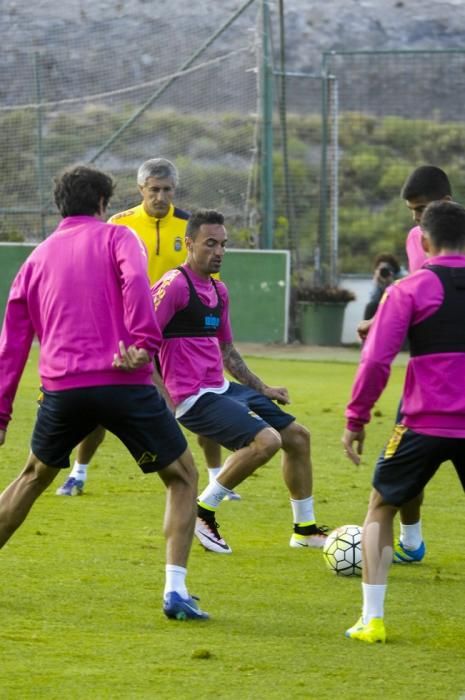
(404, 303)
(385, 339)
(15, 343)
(225, 333)
(139, 316)
(169, 295)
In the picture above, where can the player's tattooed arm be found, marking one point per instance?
(238, 369)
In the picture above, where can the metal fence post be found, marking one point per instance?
(40, 151)
(333, 118)
(266, 161)
(320, 255)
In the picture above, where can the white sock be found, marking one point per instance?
(175, 580)
(373, 601)
(79, 471)
(302, 510)
(213, 473)
(411, 535)
(213, 494)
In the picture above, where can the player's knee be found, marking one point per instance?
(296, 438)
(37, 475)
(188, 468)
(377, 505)
(182, 472)
(267, 443)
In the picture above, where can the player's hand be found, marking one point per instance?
(363, 328)
(131, 358)
(277, 393)
(351, 439)
(2, 437)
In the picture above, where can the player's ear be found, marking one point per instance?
(425, 242)
(102, 207)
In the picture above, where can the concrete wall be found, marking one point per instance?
(361, 286)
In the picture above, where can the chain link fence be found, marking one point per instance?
(322, 155)
(385, 113)
(198, 108)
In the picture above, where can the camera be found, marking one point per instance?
(386, 271)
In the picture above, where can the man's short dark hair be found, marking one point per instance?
(444, 222)
(79, 190)
(427, 181)
(200, 217)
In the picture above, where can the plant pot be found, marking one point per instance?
(321, 322)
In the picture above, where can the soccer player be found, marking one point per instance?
(425, 184)
(429, 307)
(96, 350)
(193, 312)
(161, 226)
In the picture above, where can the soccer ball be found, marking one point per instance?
(342, 550)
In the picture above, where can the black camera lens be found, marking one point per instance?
(385, 272)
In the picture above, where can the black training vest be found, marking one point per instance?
(196, 320)
(444, 330)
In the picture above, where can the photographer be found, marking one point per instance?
(386, 271)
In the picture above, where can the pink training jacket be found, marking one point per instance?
(433, 398)
(415, 253)
(81, 291)
(190, 364)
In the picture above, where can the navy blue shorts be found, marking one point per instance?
(410, 460)
(137, 415)
(234, 418)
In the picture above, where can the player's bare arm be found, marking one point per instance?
(237, 368)
(2, 436)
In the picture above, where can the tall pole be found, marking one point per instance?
(40, 150)
(266, 161)
(334, 180)
(293, 243)
(320, 255)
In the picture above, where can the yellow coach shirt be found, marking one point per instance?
(163, 238)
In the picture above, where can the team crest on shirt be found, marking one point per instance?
(178, 244)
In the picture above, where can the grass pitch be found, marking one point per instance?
(82, 580)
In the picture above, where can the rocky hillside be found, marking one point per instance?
(138, 38)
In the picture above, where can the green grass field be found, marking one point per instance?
(82, 580)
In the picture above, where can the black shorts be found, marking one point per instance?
(234, 417)
(137, 415)
(410, 460)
